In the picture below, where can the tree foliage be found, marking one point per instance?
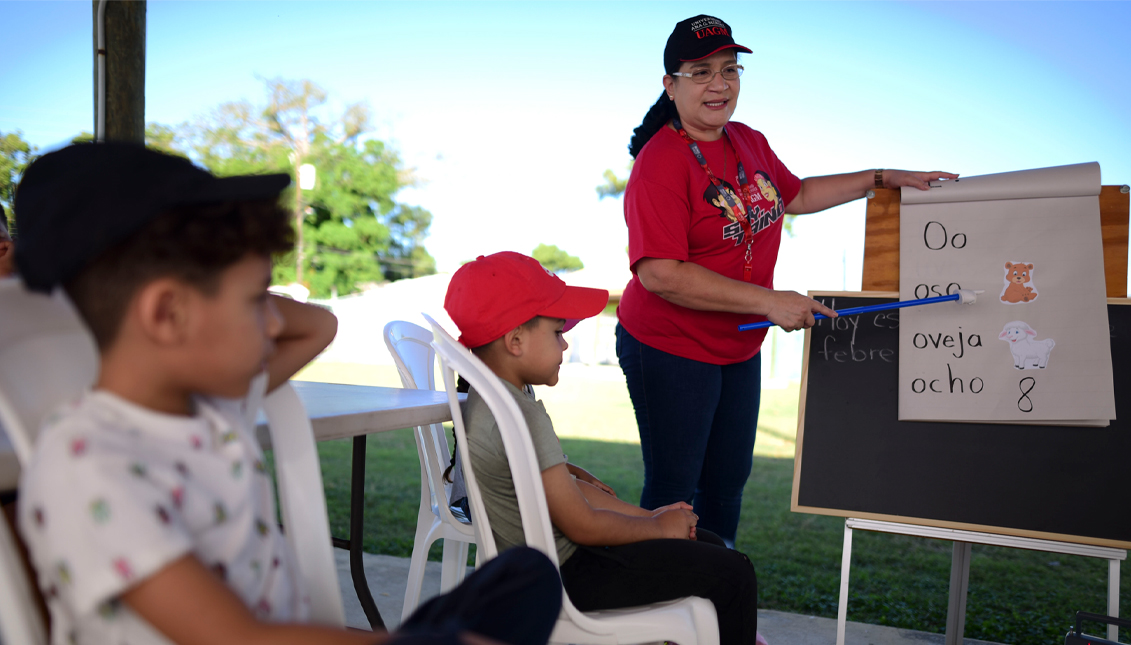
(614, 186)
(15, 155)
(354, 232)
(556, 260)
(161, 137)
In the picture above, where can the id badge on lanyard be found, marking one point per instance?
(739, 209)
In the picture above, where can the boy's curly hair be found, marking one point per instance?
(193, 243)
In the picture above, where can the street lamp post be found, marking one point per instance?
(306, 174)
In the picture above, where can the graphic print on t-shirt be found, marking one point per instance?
(767, 209)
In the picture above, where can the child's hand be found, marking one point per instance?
(602, 485)
(590, 478)
(677, 523)
(684, 505)
(677, 506)
(307, 330)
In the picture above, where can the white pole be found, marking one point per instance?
(845, 567)
(1113, 597)
(100, 107)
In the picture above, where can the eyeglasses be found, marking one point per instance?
(704, 75)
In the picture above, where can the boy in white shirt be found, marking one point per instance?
(147, 510)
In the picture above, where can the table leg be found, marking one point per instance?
(357, 521)
(959, 582)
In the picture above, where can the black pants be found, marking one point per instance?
(514, 599)
(656, 570)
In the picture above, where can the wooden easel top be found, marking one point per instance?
(881, 240)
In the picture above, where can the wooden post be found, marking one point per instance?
(125, 69)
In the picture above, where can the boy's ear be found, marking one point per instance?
(512, 342)
(161, 309)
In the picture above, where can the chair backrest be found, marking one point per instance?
(411, 347)
(303, 503)
(47, 356)
(516, 441)
(20, 617)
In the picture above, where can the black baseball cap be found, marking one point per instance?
(75, 203)
(697, 38)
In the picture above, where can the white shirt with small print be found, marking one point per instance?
(115, 492)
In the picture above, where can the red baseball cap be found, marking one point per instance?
(496, 293)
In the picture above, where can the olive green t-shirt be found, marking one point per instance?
(492, 470)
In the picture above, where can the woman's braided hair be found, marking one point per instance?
(662, 111)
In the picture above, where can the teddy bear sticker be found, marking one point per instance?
(1018, 287)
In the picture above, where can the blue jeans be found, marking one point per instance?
(697, 424)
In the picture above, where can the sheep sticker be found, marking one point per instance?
(1017, 275)
(1028, 353)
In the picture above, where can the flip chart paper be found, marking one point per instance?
(1035, 346)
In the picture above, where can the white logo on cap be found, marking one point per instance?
(706, 22)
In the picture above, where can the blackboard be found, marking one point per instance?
(856, 459)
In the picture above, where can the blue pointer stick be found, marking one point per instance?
(964, 295)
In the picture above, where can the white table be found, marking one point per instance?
(347, 411)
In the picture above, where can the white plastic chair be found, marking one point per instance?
(412, 352)
(20, 620)
(48, 356)
(303, 503)
(687, 621)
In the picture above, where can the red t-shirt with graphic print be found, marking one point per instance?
(674, 212)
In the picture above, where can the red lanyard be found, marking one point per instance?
(739, 209)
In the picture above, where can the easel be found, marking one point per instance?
(960, 567)
(881, 273)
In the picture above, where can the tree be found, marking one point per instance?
(556, 260)
(15, 155)
(614, 187)
(353, 231)
(161, 137)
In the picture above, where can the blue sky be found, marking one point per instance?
(510, 112)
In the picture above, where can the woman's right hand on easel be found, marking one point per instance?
(791, 310)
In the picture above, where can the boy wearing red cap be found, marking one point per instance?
(511, 313)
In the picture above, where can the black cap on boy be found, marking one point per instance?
(75, 203)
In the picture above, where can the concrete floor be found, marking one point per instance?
(387, 577)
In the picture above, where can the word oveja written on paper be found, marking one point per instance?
(957, 342)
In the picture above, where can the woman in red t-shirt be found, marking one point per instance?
(704, 207)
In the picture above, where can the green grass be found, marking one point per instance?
(1015, 596)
